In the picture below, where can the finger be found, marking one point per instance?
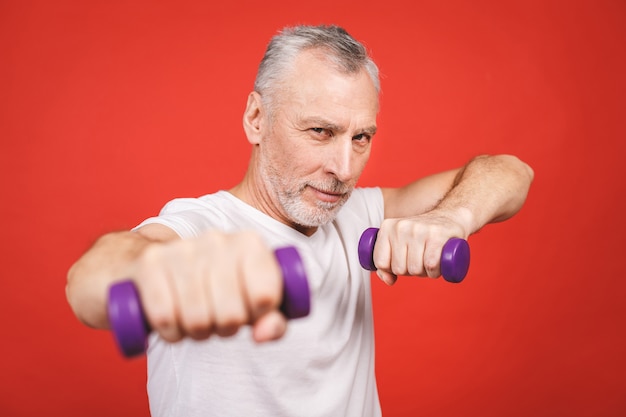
(270, 326)
(156, 294)
(398, 235)
(262, 278)
(432, 259)
(226, 293)
(387, 277)
(415, 259)
(382, 251)
(193, 292)
(399, 254)
(384, 271)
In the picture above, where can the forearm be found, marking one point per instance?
(108, 260)
(488, 189)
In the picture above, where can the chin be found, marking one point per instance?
(316, 217)
(306, 213)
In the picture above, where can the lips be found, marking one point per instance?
(327, 196)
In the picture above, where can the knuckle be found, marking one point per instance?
(246, 240)
(196, 324)
(405, 226)
(414, 269)
(149, 256)
(432, 272)
(231, 318)
(161, 318)
(410, 228)
(252, 238)
(165, 324)
(263, 300)
(213, 236)
(382, 259)
(398, 268)
(430, 265)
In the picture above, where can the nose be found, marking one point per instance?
(339, 160)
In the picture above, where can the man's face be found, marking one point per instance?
(319, 140)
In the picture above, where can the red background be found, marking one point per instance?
(109, 109)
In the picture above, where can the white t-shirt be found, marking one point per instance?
(322, 366)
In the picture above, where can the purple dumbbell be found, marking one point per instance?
(455, 255)
(131, 329)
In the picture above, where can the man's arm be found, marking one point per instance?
(110, 259)
(422, 216)
(212, 284)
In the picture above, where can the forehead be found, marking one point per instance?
(315, 85)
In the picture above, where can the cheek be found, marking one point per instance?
(360, 162)
(301, 161)
(303, 166)
(289, 164)
(293, 156)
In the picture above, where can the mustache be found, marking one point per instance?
(333, 187)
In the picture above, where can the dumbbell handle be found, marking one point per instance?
(455, 256)
(131, 329)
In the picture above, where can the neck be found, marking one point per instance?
(256, 192)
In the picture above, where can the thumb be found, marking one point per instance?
(270, 326)
(387, 277)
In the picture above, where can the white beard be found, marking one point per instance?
(289, 193)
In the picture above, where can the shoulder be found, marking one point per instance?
(364, 204)
(367, 196)
(189, 217)
(205, 202)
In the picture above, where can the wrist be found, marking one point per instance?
(462, 216)
(467, 219)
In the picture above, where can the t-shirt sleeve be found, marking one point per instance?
(368, 205)
(188, 217)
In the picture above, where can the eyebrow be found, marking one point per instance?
(370, 130)
(319, 122)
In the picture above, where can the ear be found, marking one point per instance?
(254, 118)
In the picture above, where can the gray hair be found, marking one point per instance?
(346, 53)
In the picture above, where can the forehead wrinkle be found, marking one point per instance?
(322, 122)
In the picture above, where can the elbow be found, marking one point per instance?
(521, 176)
(515, 165)
(525, 170)
(515, 178)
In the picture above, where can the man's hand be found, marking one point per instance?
(423, 215)
(413, 245)
(213, 284)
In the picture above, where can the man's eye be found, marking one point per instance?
(321, 131)
(363, 137)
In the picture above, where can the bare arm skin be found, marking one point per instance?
(422, 216)
(212, 284)
(110, 259)
(218, 282)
